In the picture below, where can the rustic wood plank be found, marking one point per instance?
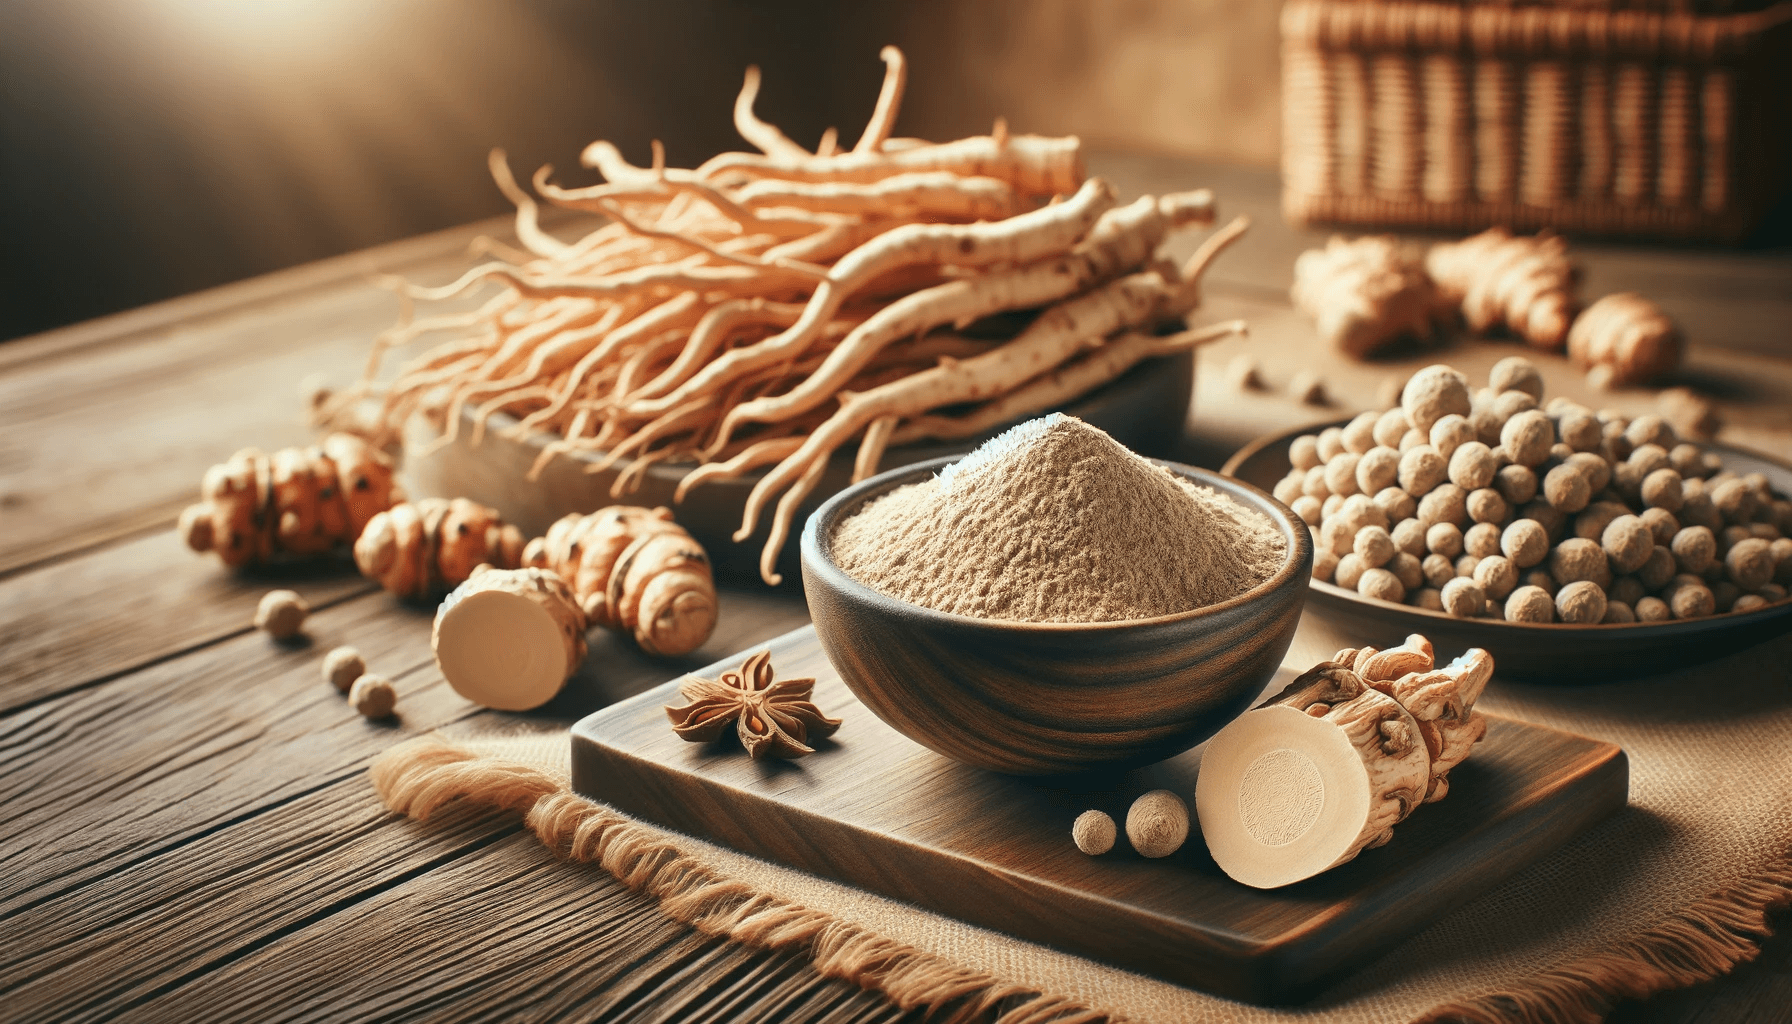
(502, 933)
(122, 606)
(198, 741)
(201, 904)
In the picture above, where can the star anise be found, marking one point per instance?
(774, 716)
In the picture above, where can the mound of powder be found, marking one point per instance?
(1055, 521)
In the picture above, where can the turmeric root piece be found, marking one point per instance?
(434, 545)
(1326, 768)
(509, 638)
(1523, 283)
(1625, 339)
(1364, 294)
(298, 501)
(636, 571)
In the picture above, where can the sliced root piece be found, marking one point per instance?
(509, 638)
(1287, 792)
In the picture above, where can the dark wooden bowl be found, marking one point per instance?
(1052, 698)
(1144, 409)
(1553, 652)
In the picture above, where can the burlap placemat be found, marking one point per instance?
(1673, 890)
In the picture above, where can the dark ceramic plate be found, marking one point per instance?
(1553, 652)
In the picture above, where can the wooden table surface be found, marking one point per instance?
(186, 827)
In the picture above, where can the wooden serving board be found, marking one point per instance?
(874, 809)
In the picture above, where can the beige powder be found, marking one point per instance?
(1055, 521)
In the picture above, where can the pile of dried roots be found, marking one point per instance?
(767, 309)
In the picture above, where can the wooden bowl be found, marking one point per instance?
(1553, 652)
(1144, 409)
(1052, 698)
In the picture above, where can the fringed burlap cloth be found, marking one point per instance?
(1674, 890)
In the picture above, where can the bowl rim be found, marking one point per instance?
(1332, 591)
(818, 557)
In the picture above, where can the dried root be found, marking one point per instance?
(1625, 339)
(434, 545)
(1327, 767)
(1365, 294)
(298, 501)
(509, 638)
(771, 308)
(636, 571)
(1525, 284)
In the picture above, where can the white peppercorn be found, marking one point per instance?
(373, 696)
(1340, 473)
(1661, 489)
(1627, 543)
(1373, 546)
(1486, 506)
(1694, 548)
(1553, 520)
(1378, 468)
(1429, 598)
(1304, 452)
(1530, 604)
(1517, 484)
(1749, 603)
(1450, 433)
(281, 614)
(1580, 431)
(1421, 470)
(1578, 559)
(1524, 542)
(1157, 823)
(1687, 460)
(1650, 429)
(1381, 585)
(1750, 563)
(1349, 571)
(1662, 525)
(1314, 484)
(1527, 438)
(1472, 466)
(1597, 471)
(1410, 440)
(1330, 443)
(1465, 565)
(342, 666)
(1398, 504)
(1433, 393)
(1444, 539)
(1438, 569)
(1781, 550)
(1539, 578)
(1617, 612)
(1444, 504)
(1692, 601)
(1516, 373)
(1648, 458)
(1580, 602)
(1734, 501)
(1093, 833)
(1359, 433)
(1482, 540)
(1325, 563)
(1565, 488)
(1409, 536)
(1592, 520)
(1330, 506)
(1497, 576)
(1653, 609)
(1337, 535)
(1463, 598)
(1390, 427)
(1309, 509)
(1289, 487)
(1406, 568)
(1508, 404)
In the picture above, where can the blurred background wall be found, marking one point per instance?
(150, 148)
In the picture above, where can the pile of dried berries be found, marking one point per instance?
(1483, 504)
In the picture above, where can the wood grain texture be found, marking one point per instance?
(1051, 698)
(120, 607)
(875, 810)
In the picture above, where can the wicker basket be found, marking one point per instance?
(1462, 116)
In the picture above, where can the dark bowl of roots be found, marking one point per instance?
(1053, 698)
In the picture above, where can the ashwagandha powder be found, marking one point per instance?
(1055, 521)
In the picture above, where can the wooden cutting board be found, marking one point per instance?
(874, 809)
